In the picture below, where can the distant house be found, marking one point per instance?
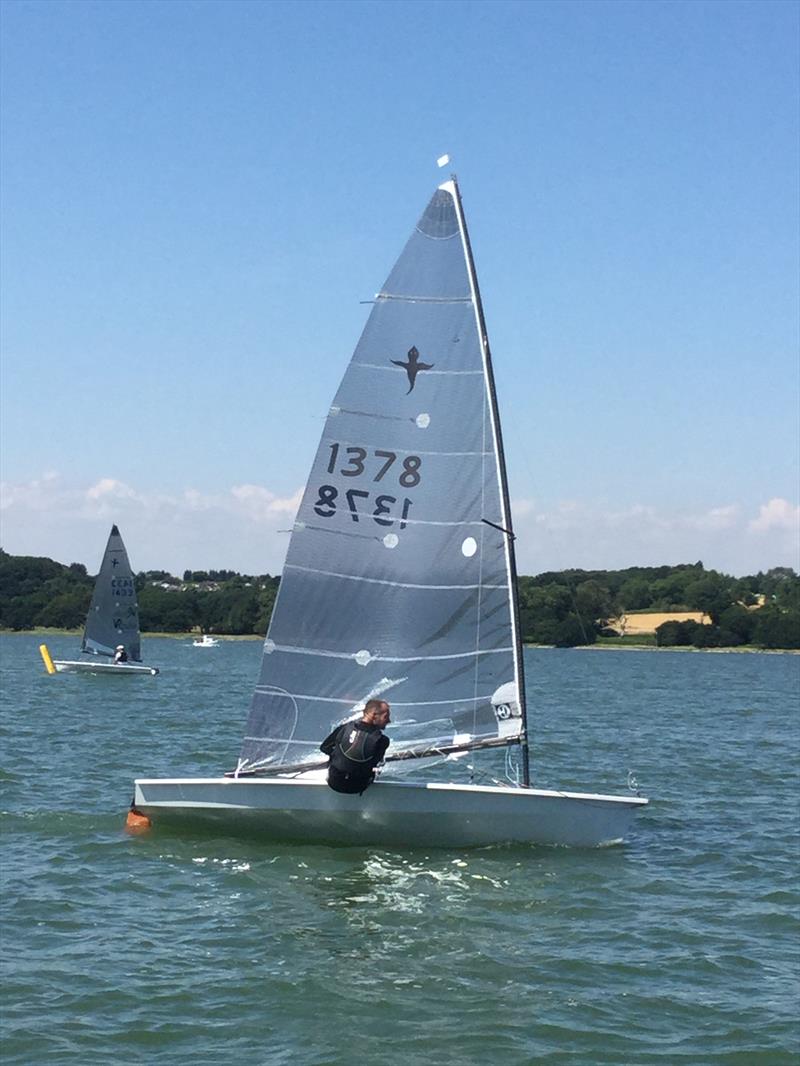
(760, 599)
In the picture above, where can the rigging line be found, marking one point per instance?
(397, 756)
(381, 581)
(497, 433)
(476, 668)
(429, 742)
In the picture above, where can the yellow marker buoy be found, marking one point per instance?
(48, 662)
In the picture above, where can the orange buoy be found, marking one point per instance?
(137, 822)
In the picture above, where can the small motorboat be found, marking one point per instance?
(206, 641)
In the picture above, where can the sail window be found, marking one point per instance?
(469, 547)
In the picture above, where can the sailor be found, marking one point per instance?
(120, 655)
(356, 748)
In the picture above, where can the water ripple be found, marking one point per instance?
(179, 948)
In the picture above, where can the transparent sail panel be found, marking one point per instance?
(395, 584)
(114, 612)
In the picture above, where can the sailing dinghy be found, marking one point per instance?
(113, 620)
(400, 582)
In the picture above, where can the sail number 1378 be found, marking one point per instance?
(355, 462)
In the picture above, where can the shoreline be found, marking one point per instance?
(44, 632)
(743, 650)
(747, 649)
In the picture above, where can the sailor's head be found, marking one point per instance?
(120, 647)
(377, 713)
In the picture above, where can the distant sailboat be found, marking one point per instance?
(205, 641)
(400, 582)
(112, 624)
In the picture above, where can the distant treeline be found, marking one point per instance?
(38, 592)
(573, 607)
(565, 608)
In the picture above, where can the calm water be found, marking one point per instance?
(681, 947)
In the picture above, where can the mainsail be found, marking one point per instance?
(114, 612)
(399, 578)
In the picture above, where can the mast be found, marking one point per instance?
(452, 186)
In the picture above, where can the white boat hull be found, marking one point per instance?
(84, 666)
(389, 813)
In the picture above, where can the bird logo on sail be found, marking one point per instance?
(413, 367)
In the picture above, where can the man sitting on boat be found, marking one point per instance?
(120, 655)
(356, 748)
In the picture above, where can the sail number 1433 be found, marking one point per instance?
(356, 462)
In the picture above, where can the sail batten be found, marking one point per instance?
(408, 477)
(378, 658)
(433, 373)
(312, 697)
(419, 451)
(386, 296)
(392, 584)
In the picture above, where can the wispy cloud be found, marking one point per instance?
(241, 528)
(260, 503)
(245, 528)
(108, 488)
(776, 514)
(589, 536)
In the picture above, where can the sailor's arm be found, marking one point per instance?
(329, 743)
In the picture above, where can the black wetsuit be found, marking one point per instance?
(355, 749)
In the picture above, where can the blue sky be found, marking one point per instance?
(196, 196)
